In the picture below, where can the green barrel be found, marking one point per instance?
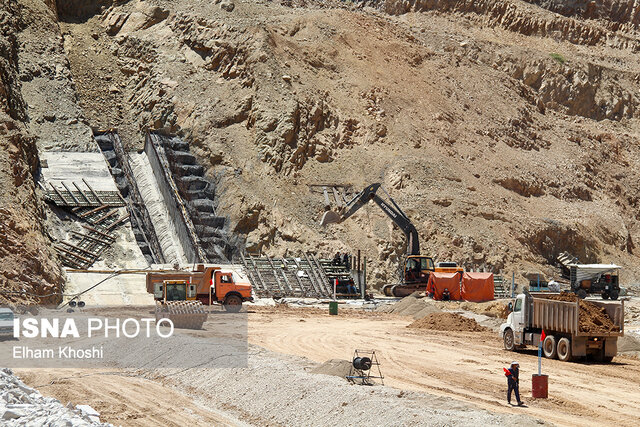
(333, 308)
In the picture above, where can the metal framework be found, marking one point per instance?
(304, 276)
(365, 376)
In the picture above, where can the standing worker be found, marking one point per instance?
(513, 382)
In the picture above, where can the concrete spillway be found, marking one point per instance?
(156, 206)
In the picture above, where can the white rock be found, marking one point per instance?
(88, 410)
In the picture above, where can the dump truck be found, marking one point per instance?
(207, 284)
(570, 331)
(178, 293)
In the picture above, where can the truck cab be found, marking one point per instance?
(208, 284)
(229, 288)
(515, 322)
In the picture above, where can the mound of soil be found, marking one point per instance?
(593, 318)
(447, 322)
(336, 367)
(415, 305)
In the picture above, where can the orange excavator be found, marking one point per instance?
(416, 268)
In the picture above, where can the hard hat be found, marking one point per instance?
(514, 363)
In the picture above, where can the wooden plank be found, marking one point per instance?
(118, 221)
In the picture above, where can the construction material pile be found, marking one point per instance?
(593, 318)
(22, 405)
(447, 322)
(413, 305)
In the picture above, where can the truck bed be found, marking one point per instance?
(562, 316)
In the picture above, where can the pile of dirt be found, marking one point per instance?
(447, 322)
(495, 309)
(593, 318)
(336, 367)
(414, 305)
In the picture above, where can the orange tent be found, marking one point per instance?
(438, 282)
(477, 287)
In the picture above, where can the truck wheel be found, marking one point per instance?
(564, 350)
(509, 342)
(605, 295)
(233, 303)
(582, 294)
(614, 294)
(549, 347)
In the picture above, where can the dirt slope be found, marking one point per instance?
(506, 131)
(26, 261)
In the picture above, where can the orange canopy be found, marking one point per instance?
(438, 282)
(477, 287)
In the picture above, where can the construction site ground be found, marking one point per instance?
(428, 373)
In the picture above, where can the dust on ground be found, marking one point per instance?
(447, 322)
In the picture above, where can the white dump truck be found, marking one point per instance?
(569, 332)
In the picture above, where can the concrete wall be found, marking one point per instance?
(174, 204)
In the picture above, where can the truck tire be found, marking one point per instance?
(614, 294)
(549, 347)
(508, 339)
(605, 295)
(564, 349)
(582, 294)
(233, 303)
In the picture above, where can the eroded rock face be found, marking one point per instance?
(27, 263)
(483, 119)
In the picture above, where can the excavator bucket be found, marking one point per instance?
(329, 217)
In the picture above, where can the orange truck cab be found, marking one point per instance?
(209, 285)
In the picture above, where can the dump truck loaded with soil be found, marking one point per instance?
(568, 326)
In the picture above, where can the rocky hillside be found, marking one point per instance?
(506, 129)
(27, 264)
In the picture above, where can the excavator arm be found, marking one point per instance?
(390, 208)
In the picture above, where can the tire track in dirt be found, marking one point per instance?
(461, 365)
